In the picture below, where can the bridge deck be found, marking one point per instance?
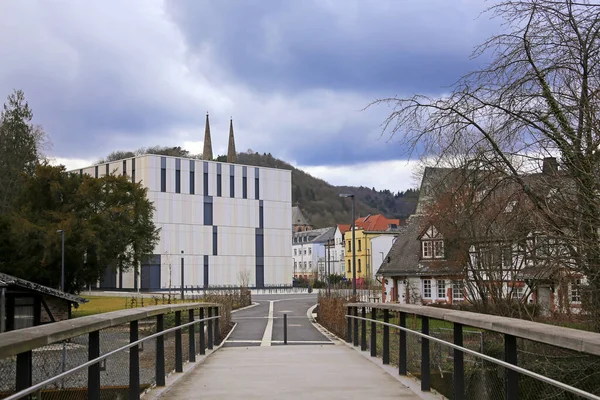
(294, 372)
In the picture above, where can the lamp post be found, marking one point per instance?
(353, 246)
(62, 269)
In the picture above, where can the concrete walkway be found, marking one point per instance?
(288, 372)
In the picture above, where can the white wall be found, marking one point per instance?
(180, 217)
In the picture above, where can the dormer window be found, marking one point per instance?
(432, 244)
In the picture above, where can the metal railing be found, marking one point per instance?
(511, 329)
(22, 343)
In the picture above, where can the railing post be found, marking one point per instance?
(373, 332)
(134, 362)
(349, 327)
(201, 333)
(425, 371)
(386, 337)
(24, 365)
(355, 333)
(93, 370)
(511, 377)
(402, 353)
(363, 330)
(216, 325)
(284, 328)
(178, 345)
(192, 337)
(210, 329)
(160, 351)
(459, 366)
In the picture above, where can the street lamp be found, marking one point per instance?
(353, 247)
(62, 270)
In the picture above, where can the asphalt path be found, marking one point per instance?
(262, 325)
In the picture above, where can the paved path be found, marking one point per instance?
(254, 365)
(262, 325)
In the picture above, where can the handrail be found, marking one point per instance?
(23, 340)
(96, 360)
(566, 338)
(502, 363)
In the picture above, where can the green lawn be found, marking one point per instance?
(100, 304)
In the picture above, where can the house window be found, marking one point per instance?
(359, 265)
(438, 249)
(295, 252)
(96, 172)
(124, 167)
(576, 291)
(457, 290)
(244, 187)
(310, 264)
(24, 312)
(219, 185)
(359, 245)
(349, 245)
(427, 288)
(441, 287)
(427, 249)
(304, 251)
(304, 264)
(349, 266)
(295, 264)
(309, 251)
(517, 292)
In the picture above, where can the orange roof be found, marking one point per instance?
(343, 228)
(375, 223)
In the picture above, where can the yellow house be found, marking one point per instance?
(366, 255)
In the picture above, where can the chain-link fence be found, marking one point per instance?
(114, 371)
(483, 379)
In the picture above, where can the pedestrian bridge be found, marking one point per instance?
(276, 350)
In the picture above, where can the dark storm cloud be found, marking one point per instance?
(103, 76)
(383, 46)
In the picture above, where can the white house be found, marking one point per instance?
(309, 253)
(380, 246)
(224, 220)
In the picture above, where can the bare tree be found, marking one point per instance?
(538, 97)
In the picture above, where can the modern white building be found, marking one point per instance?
(224, 220)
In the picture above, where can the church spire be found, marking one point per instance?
(231, 155)
(207, 153)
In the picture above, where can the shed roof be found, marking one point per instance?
(9, 280)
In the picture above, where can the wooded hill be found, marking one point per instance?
(320, 201)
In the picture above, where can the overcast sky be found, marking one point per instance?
(294, 75)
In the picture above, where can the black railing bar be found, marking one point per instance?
(96, 360)
(521, 370)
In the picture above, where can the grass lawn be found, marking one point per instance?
(99, 304)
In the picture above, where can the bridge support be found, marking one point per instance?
(425, 370)
(178, 345)
(24, 365)
(373, 332)
(93, 370)
(134, 362)
(355, 333)
(511, 378)
(210, 329)
(402, 354)
(192, 337)
(160, 352)
(201, 332)
(363, 329)
(349, 327)
(216, 325)
(459, 366)
(386, 338)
